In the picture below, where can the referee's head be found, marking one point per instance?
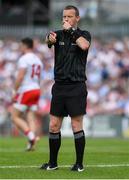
(71, 16)
(69, 7)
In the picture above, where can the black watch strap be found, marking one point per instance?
(75, 33)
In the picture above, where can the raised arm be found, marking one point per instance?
(81, 41)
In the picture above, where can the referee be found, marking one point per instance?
(69, 92)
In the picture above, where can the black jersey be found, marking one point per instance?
(70, 59)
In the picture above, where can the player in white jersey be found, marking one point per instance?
(27, 91)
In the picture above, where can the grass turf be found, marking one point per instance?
(15, 163)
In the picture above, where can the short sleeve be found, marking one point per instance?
(87, 36)
(22, 63)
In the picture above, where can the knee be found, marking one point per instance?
(76, 126)
(13, 118)
(54, 127)
(14, 115)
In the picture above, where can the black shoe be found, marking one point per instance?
(77, 167)
(30, 145)
(48, 166)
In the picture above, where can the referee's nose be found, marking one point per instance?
(66, 19)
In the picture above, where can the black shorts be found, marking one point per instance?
(69, 99)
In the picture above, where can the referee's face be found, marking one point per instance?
(70, 16)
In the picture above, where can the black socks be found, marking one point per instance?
(79, 138)
(55, 142)
(54, 145)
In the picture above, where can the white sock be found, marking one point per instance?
(31, 136)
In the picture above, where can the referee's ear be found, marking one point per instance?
(77, 18)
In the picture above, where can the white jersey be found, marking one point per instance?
(34, 67)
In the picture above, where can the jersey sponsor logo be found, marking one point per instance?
(61, 43)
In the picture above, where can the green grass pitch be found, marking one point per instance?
(104, 159)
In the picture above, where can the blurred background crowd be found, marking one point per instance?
(108, 60)
(107, 72)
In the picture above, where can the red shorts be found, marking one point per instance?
(28, 98)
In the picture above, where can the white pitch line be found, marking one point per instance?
(67, 166)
